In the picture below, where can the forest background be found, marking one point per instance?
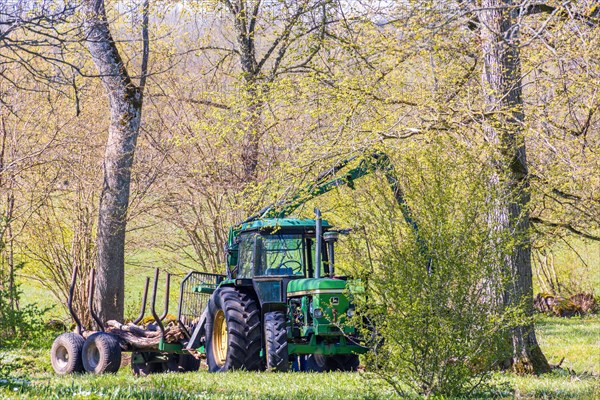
(245, 102)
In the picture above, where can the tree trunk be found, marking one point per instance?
(244, 24)
(7, 240)
(253, 130)
(125, 114)
(504, 129)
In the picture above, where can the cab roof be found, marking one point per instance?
(281, 223)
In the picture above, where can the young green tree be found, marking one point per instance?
(440, 50)
(272, 39)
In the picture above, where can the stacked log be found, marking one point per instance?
(586, 302)
(135, 337)
(579, 304)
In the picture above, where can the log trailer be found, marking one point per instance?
(279, 305)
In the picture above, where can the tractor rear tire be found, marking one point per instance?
(65, 354)
(276, 344)
(233, 331)
(101, 353)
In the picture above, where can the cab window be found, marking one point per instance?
(246, 259)
(281, 254)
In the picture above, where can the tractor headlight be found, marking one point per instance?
(350, 312)
(318, 313)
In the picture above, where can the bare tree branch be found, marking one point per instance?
(569, 227)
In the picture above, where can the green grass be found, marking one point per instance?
(236, 385)
(249, 385)
(556, 385)
(576, 265)
(576, 339)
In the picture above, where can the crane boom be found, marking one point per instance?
(328, 181)
(368, 164)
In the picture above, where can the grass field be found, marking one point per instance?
(576, 339)
(245, 385)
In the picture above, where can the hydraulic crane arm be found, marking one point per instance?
(328, 181)
(368, 164)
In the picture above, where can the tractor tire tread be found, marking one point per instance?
(276, 344)
(243, 330)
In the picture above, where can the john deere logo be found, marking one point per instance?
(335, 301)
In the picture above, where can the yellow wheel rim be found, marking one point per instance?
(219, 338)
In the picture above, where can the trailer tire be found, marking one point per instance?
(188, 363)
(276, 344)
(101, 353)
(233, 331)
(65, 354)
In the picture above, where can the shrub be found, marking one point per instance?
(19, 324)
(442, 330)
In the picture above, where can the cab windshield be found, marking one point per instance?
(281, 255)
(275, 254)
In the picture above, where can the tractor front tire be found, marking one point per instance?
(314, 363)
(233, 331)
(276, 344)
(101, 353)
(338, 362)
(65, 354)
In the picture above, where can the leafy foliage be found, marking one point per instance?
(442, 330)
(18, 324)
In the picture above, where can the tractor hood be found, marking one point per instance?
(299, 287)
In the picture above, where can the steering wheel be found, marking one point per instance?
(297, 265)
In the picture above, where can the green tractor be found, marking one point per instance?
(280, 303)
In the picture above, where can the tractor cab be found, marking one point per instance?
(269, 253)
(280, 247)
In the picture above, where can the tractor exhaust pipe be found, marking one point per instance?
(318, 242)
